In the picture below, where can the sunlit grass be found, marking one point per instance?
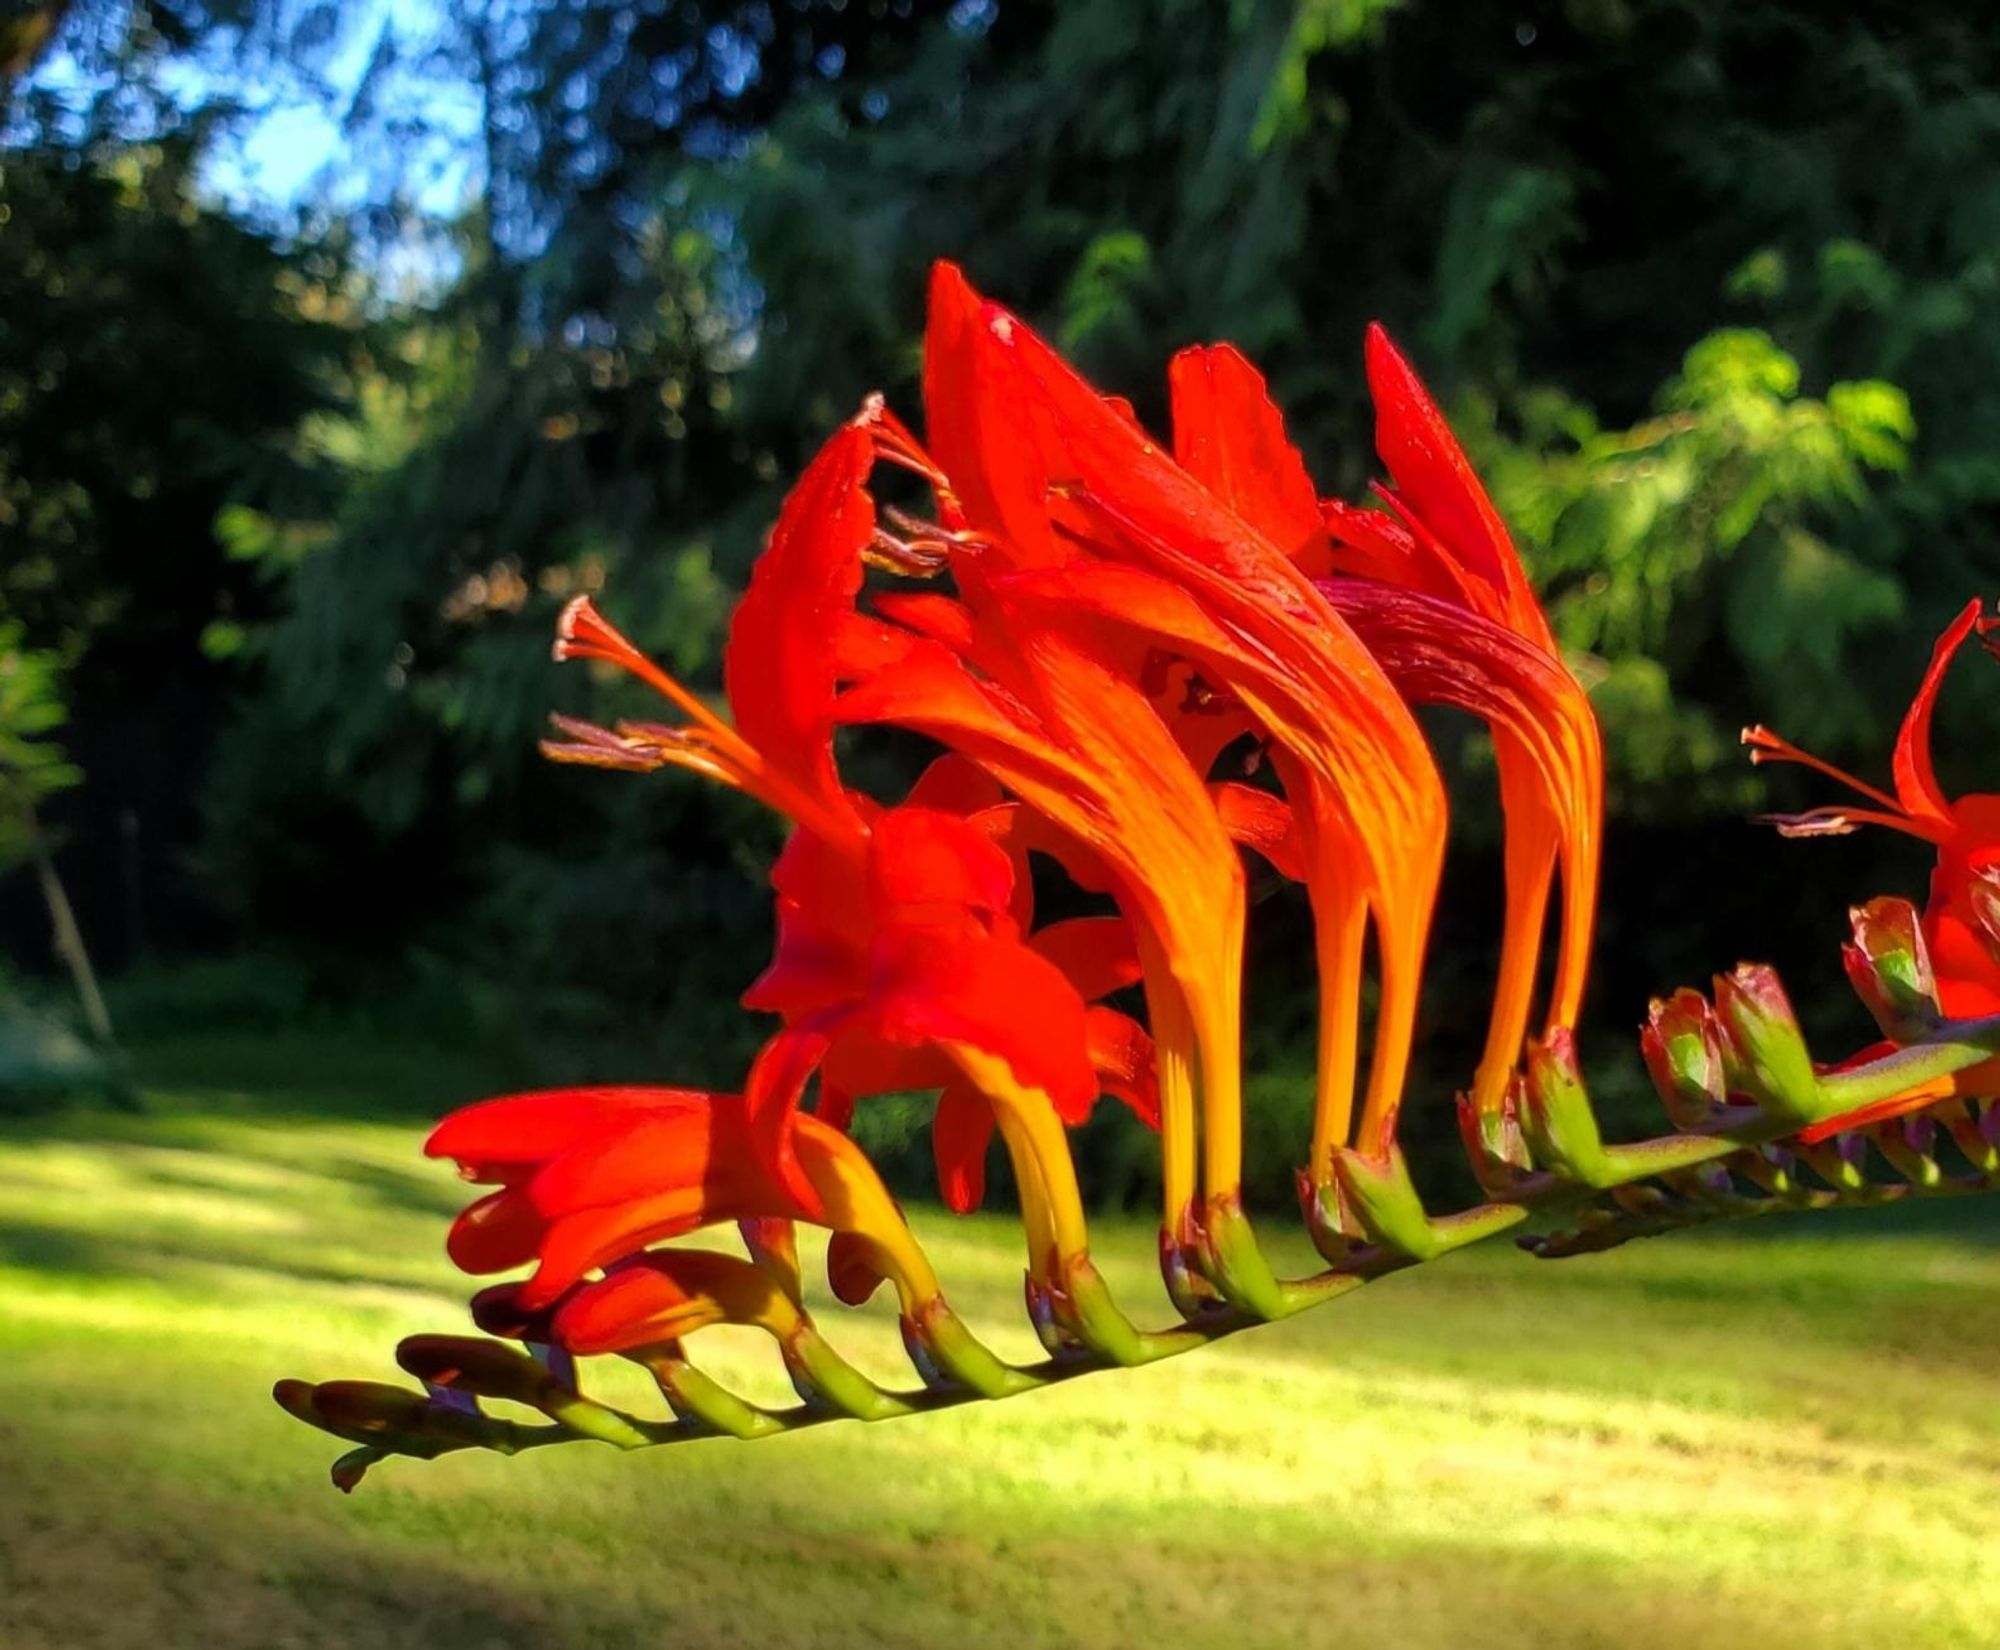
(1791, 1436)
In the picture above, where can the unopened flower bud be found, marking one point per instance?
(1384, 1200)
(1560, 1126)
(1493, 1141)
(1889, 966)
(1773, 1063)
(1683, 1048)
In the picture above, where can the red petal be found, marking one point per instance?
(1257, 819)
(581, 1243)
(835, 1107)
(497, 1140)
(864, 646)
(938, 618)
(1968, 977)
(824, 920)
(658, 1297)
(1916, 780)
(1122, 1053)
(955, 785)
(923, 857)
(975, 423)
(781, 664)
(936, 987)
(1096, 954)
(853, 1268)
(1023, 831)
(497, 1233)
(858, 1065)
(960, 1134)
(703, 1150)
(816, 964)
(771, 1096)
(1437, 486)
(1230, 436)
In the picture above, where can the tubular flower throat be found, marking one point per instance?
(1132, 662)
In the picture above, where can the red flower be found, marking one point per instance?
(1431, 583)
(902, 941)
(1965, 831)
(589, 1178)
(1097, 534)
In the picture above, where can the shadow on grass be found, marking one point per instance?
(96, 1557)
(60, 1254)
(89, 1557)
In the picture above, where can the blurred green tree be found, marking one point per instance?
(155, 363)
(1703, 281)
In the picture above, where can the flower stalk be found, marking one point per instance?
(1140, 661)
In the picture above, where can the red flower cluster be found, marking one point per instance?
(1135, 661)
(1959, 921)
(1122, 625)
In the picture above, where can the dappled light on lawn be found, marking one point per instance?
(1787, 1436)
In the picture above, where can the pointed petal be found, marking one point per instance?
(932, 986)
(1096, 954)
(500, 1140)
(1257, 819)
(781, 664)
(960, 1134)
(495, 1234)
(1437, 487)
(1122, 1053)
(974, 423)
(1916, 780)
(1230, 436)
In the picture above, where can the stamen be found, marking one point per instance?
(596, 747)
(1203, 698)
(951, 538)
(1837, 821)
(908, 558)
(896, 444)
(584, 633)
(1766, 746)
(894, 441)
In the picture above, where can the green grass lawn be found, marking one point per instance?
(1787, 1437)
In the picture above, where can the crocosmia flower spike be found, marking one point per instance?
(1142, 662)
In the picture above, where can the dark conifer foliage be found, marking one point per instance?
(292, 487)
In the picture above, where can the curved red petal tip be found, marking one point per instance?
(771, 1095)
(852, 1271)
(1230, 436)
(1379, 352)
(516, 1130)
(948, 280)
(1917, 786)
(960, 1134)
(495, 1234)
